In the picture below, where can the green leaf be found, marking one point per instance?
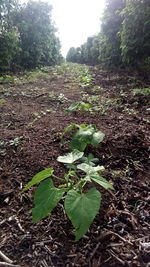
(40, 176)
(71, 157)
(94, 176)
(85, 106)
(67, 130)
(82, 209)
(88, 168)
(82, 137)
(90, 160)
(97, 138)
(46, 199)
(70, 128)
(73, 107)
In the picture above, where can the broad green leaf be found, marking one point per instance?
(97, 138)
(78, 143)
(46, 199)
(73, 107)
(94, 176)
(82, 137)
(88, 168)
(71, 157)
(84, 106)
(67, 130)
(82, 209)
(40, 176)
(90, 160)
(70, 128)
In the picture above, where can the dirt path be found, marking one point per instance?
(32, 119)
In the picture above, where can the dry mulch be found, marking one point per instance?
(119, 235)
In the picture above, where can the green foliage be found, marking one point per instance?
(39, 44)
(135, 35)
(39, 177)
(141, 91)
(86, 80)
(84, 136)
(9, 49)
(110, 53)
(71, 157)
(72, 55)
(12, 142)
(81, 207)
(124, 39)
(27, 35)
(9, 36)
(2, 101)
(90, 159)
(46, 199)
(7, 79)
(78, 106)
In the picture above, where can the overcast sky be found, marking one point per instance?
(76, 20)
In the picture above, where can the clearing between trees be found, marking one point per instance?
(33, 107)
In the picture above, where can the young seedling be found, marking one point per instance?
(81, 106)
(80, 206)
(85, 135)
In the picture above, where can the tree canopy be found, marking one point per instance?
(27, 35)
(124, 39)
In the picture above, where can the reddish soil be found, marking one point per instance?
(119, 235)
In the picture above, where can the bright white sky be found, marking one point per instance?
(76, 20)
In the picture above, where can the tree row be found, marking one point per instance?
(124, 39)
(27, 35)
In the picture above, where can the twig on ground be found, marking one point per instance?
(103, 235)
(19, 225)
(116, 257)
(141, 238)
(8, 264)
(94, 251)
(14, 218)
(44, 263)
(123, 239)
(5, 258)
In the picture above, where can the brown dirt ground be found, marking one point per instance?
(119, 235)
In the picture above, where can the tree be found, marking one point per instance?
(72, 55)
(110, 52)
(135, 35)
(9, 36)
(124, 39)
(39, 44)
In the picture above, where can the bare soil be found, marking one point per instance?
(119, 235)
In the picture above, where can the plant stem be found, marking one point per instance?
(80, 185)
(59, 178)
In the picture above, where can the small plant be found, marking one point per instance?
(86, 80)
(96, 89)
(81, 106)
(90, 159)
(16, 141)
(85, 135)
(59, 98)
(13, 142)
(7, 79)
(62, 98)
(81, 206)
(2, 101)
(141, 91)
